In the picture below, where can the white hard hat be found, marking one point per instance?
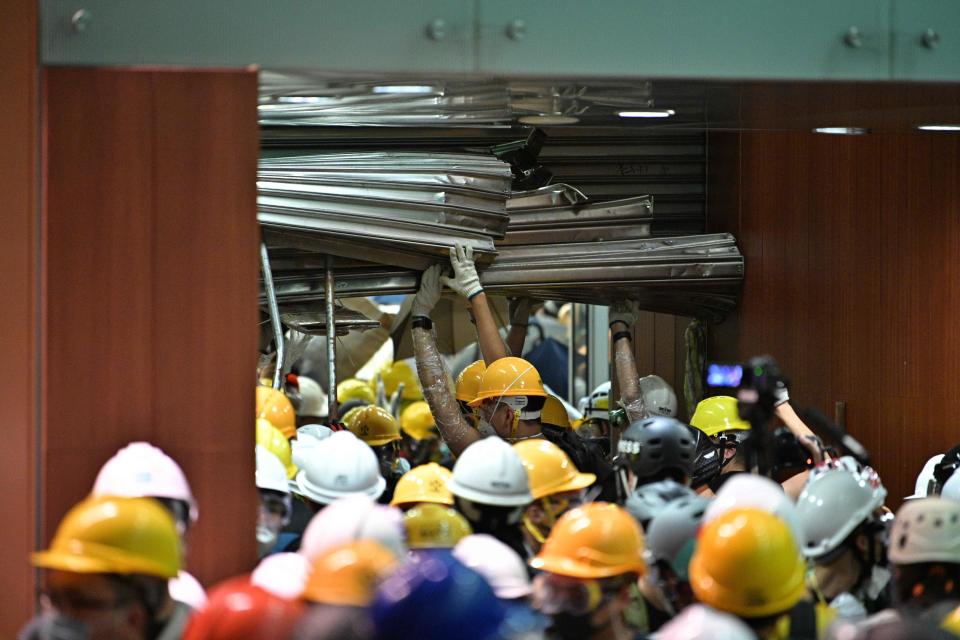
(282, 574)
(271, 474)
(597, 404)
(926, 530)
(337, 467)
(499, 565)
(658, 396)
(188, 590)
(491, 472)
(674, 527)
(922, 486)
(759, 492)
(141, 470)
(699, 622)
(834, 502)
(951, 488)
(313, 401)
(308, 436)
(354, 518)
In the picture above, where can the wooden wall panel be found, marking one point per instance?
(18, 319)
(151, 288)
(850, 244)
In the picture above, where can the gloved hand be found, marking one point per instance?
(781, 394)
(520, 310)
(465, 280)
(429, 293)
(622, 312)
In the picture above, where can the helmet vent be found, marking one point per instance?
(655, 441)
(938, 523)
(903, 541)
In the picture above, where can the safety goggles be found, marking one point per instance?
(554, 594)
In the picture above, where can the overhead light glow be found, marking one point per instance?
(301, 99)
(647, 113)
(842, 131)
(939, 127)
(403, 88)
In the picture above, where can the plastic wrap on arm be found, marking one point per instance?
(432, 371)
(629, 380)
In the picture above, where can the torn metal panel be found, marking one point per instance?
(691, 275)
(308, 285)
(583, 222)
(313, 322)
(552, 195)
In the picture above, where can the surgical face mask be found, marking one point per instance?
(485, 428)
(57, 626)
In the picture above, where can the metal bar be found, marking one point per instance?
(331, 344)
(274, 315)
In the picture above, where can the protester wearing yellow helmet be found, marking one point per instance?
(396, 373)
(434, 526)
(352, 390)
(421, 440)
(589, 562)
(747, 563)
(554, 413)
(270, 438)
(466, 387)
(108, 566)
(555, 483)
(510, 398)
(347, 575)
(380, 430)
(274, 406)
(422, 484)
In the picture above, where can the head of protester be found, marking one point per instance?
(434, 527)
(337, 467)
(352, 518)
(491, 489)
(747, 563)
(276, 505)
(587, 565)
(555, 484)
(595, 409)
(421, 441)
(377, 428)
(107, 569)
(240, 610)
(719, 421)
(510, 398)
(426, 483)
(646, 501)
(658, 448)
(275, 407)
(844, 528)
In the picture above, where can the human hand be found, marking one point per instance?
(465, 280)
(429, 293)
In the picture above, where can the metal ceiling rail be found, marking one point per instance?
(582, 222)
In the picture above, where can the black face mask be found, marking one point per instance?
(570, 626)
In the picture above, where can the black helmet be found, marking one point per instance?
(659, 447)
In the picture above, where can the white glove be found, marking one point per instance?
(465, 280)
(781, 395)
(429, 293)
(622, 312)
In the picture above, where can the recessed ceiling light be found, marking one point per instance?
(647, 113)
(544, 120)
(939, 127)
(842, 131)
(403, 88)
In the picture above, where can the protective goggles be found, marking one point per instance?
(554, 594)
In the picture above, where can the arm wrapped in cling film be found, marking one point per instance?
(453, 426)
(626, 367)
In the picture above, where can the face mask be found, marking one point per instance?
(266, 539)
(57, 626)
(486, 429)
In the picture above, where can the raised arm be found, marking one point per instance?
(466, 282)
(520, 309)
(454, 429)
(621, 317)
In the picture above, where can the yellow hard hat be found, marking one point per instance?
(597, 540)
(747, 564)
(397, 372)
(434, 526)
(717, 414)
(348, 574)
(353, 389)
(424, 483)
(115, 535)
(374, 425)
(417, 421)
(270, 438)
(509, 377)
(952, 622)
(554, 413)
(274, 406)
(348, 416)
(468, 382)
(549, 469)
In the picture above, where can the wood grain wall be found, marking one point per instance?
(150, 284)
(18, 318)
(852, 245)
